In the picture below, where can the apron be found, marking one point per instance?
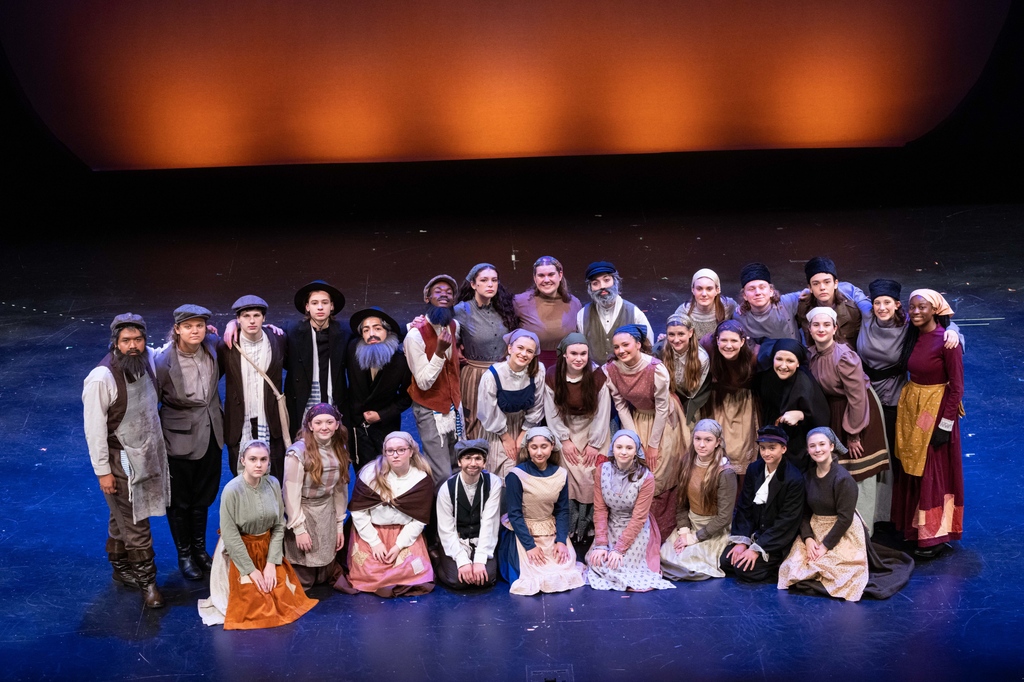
(142, 443)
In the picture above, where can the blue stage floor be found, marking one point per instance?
(61, 617)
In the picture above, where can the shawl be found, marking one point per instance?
(415, 502)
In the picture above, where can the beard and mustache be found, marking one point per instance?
(132, 364)
(440, 316)
(605, 301)
(376, 355)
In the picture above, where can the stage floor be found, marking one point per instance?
(61, 617)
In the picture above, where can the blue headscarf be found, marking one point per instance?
(637, 331)
(631, 434)
(840, 449)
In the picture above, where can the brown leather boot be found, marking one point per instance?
(144, 569)
(118, 557)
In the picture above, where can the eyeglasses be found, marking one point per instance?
(396, 451)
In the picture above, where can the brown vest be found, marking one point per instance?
(637, 389)
(117, 409)
(445, 392)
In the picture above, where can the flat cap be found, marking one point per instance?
(468, 447)
(601, 267)
(128, 319)
(448, 279)
(249, 301)
(188, 311)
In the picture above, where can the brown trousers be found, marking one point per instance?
(121, 526)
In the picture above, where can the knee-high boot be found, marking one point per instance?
(118, 556)
(144, 569)
(180, 525)
(199, 553)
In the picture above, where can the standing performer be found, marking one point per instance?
(378, 381)
(252, 585)
(688, 365)
(639, 386)
(856, 414)
(316, 476)
(625, 552)
(607, 311)
(251, 405)
(485, 315)
(548, 309)
(928, 495)
(468, 519)
(708, 308)
(193, 426)
(577, 409)
(827, 291)
(433, 358)
(316, 352)
(511, 400)
(126, 448)
(387, 554)
(536, 554)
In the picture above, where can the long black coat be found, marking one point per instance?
(775, 524)
(298, 382)
(387, 395)
(234, 392)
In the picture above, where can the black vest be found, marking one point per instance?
(467, 515)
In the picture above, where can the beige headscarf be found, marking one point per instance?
(935, 298)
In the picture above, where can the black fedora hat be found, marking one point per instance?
(302, 295)
(358, 317)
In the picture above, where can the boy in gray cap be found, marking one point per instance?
(468, 511)
(187, 373)
(121, 420)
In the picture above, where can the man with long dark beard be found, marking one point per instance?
(122, 429)
(378, 381)
(433, 358)
(607, 311)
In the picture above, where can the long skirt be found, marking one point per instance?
(639, 569)
(929, 509)
(498, 462)
(410, 575)
(527, 579)
(671, 449)
(739, 419)
(235, 600)
(581, 478)
(875, 460)
(319, 564)
(696, 562)
(469, 383)
(879, 571)
(842, 571)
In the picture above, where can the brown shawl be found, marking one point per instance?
(415, 502)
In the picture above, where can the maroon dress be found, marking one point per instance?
(929, 509)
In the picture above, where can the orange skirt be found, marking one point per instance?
(250, 609)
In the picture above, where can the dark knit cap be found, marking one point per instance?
(884, 287)
(601, 267)
(820, 264)
(755, 271)
(772, 434)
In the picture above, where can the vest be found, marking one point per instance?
(575, 401)
(116, 411)
(637, 389)
(599, 341)
(511, 402)
(445, 392)
(467, 516)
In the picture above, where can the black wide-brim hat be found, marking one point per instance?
(358, 317)
(302, 295)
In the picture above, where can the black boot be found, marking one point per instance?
(144, 569)
(199, 553)
(178, 521)
(118, 557)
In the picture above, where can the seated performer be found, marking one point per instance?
(768, 512)
(468, 518)
(707, 497)
(316, 476)
(836, 556)
(390, 506)
(535, 554)
(626, 537)
(252, 585)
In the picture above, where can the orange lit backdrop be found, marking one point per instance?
(243, 82)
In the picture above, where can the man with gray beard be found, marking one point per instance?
(122, 430)
(606, 312)
(378, 382)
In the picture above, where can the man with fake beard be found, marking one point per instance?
(251, 405)
(433, 356)
(378, 382)
(607, 311)
(187, 373)
(122, 430)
